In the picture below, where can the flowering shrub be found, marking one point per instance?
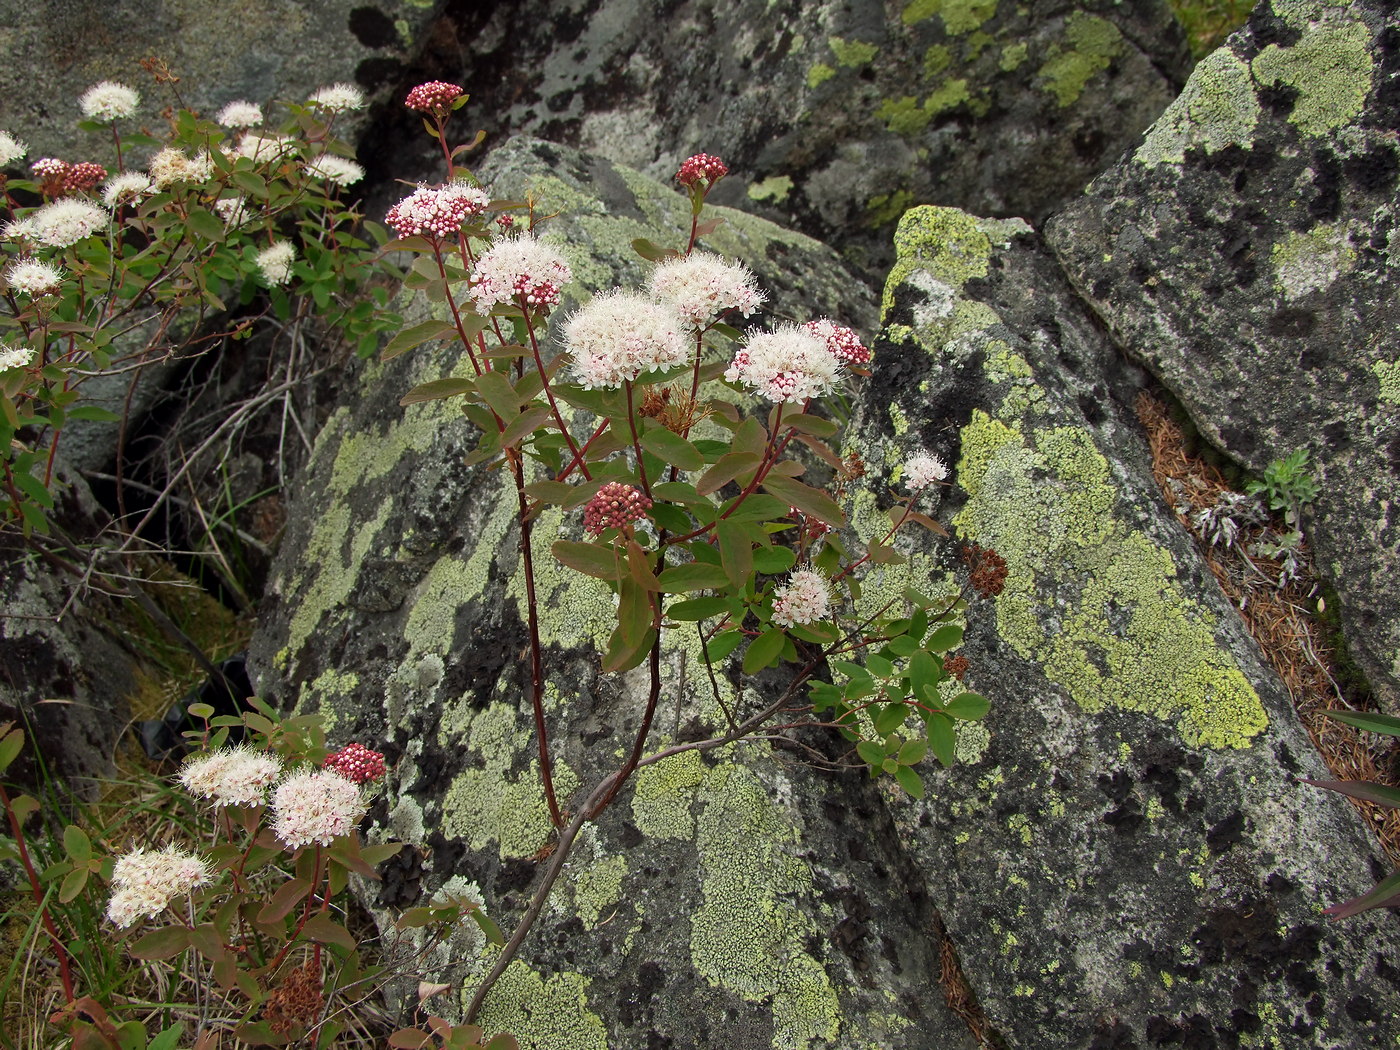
(228, 217)
(721, 526)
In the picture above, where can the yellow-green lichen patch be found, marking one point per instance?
(938, 250)
(775, 188)
(936, 59)
(1013, 56)
(598, 887)
(1094, 603)
(948, 95)
(575, 610)
(819, 74)
(663, 794)
(747, 936)
(488, 804)
(1330, 67)
(1309, 262)
(959, 16)
(1217, 108)
(904, 116)
(885, 208)
(852, 53)
(322, 693)
(1091, 44)
(543, 1013)
(1388, 375)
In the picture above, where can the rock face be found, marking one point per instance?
(1246, 253)
(1127, 861)
(1121, 860)
(834, 116)
(264, 49)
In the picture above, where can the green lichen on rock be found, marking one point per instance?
(1217, 108)
(663, 795)
(1091, 44)
(1330, 67)
(904, 116)
(1013, 56)
(1309, 262)
(747, 936)
(948, 95)
(959, 16)
(598, 887)
(1388, 375)
(819, 74)
(1095, 603)
(543, 1013)
(852, 54)
(775, 188)
(948, 245)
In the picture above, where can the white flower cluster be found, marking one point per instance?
(519, 268)
(338, 97)
(109, 101)
(923, 469)
(126, 188)
(15, 356)
(804, 599)
(11, 149)
(66, 221)
(275, 262)
(617, 337)
(315, 806)
(34, 277)
(703, 287)
(233, 210)
(335, 169)
(239, 114)
(789, 364)
(171, 165)
(437, 212)
(232, 776)
(143, 883)
(263, 147)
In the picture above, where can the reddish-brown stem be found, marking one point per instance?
(536, 659)
(65, 975)
(636, 442)
(456, 314)
(548, 392)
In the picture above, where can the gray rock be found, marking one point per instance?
(1245, 253)
(257, 51)
(719, 905)
(835, 117)
(1125, 858)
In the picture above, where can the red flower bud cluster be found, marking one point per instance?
(84, 176)
(436, 96)
(356, 763)
(615, 506)
(703, 167)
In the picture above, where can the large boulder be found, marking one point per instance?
(1245, 252)
(259, 51)
(835, 117)
(1126, 858)
(1122, 859)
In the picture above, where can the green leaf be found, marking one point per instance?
(672, 448)
(324, 930)
(773, 560)
(621, 656)
(1387, 724)
(73, 884)
(77, 844)
(698, 609)
(722, 644)
(591, 559)
(288, 895)
(524, 425)
(1362, 789)
(756, 507)
(549, 491)
(913, 752)
(161, 944)
(924, 671)
(726, 469)
(764, 650)
(694, 576)
(438, 389)
(1385, 892)
(496, 391)
(168, 1039)
(814, 425)
(421, 333)
(941, 737)
(968, 706)
(812, 502)
(891, 718)
(736, 552)
(871, 752)
(949, 636)
(878, 666)
(206, 224)
(636, 611)
(653, 252)
(669, 517)
(11, 744)
(819, 632)
(910, 781)
(903, 646)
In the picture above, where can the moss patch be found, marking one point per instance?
(1330, 67)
